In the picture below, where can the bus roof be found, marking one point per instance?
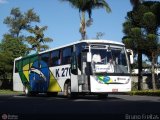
(94, 41)
(86, 41)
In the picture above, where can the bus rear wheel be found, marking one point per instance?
(29, 93)
(26, 91)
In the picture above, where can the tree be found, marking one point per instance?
(87, 6)
(99, 35)
(135, 3)
(10, 48)
(152, 53)
(141, 30)
(14, 43)
(151, 26)
(38, 38)
(135, 42)
(18, 21)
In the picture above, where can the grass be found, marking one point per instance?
(9, 92)
(146, 92)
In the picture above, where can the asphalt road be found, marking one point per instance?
(84, 107)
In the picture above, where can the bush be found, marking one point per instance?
(146, 92)
(134, 86)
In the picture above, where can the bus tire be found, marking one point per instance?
(67, 89)
(26, 91)
(29, 93)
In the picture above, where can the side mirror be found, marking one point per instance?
(130, 55)
(89, 57)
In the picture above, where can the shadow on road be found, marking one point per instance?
(78, 98)
(60, 107)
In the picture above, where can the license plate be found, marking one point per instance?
(114, 90)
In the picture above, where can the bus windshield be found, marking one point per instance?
(110, 60)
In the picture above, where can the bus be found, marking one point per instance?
(84, 67)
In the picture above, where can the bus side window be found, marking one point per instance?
(79, 48)
(16, 66)
(20, 65)
(45, 58)
(55, 58)
(66, 55)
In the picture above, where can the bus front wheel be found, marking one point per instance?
(67, 90)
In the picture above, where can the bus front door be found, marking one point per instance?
(80, 73)
(85, 72)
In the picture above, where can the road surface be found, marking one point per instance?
(84, 107)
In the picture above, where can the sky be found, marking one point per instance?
(63, 20)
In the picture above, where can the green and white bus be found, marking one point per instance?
(84, 67)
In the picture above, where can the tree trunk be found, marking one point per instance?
(153, 72)
(140, 83)
(83, 26)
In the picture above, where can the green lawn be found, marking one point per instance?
(9, 92)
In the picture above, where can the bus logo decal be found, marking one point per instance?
(104, 79)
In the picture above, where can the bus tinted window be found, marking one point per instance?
(79, 48)
(66, 55)
(19, 65)
(45, 58)
(55, 58)
(16, 66)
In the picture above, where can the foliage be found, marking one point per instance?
(144, 64)
(135, 3)
(134, 86)
(99, 35)
(146, 92)
(15, 43)
(38, 38)
(141, 30)
(10, 48)
(87, 6)
(17, 21)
